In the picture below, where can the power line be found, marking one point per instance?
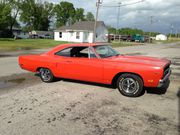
(133, 3)
(118, 6)
(99, 3)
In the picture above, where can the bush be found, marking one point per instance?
(6, 34)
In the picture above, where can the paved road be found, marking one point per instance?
(28, 106)
(9, 61)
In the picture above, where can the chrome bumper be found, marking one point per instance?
(164, 80)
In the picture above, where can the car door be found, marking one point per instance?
(88, 68)
(64, 63)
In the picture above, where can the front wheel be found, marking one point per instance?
(130, 85)
(46, 75)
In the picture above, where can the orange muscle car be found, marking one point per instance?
(98, 62)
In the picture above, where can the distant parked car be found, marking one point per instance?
(101, 64)
(138, 38)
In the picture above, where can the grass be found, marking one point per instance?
(9, 44)
(27, 44)
(124, 44)
(170, 40)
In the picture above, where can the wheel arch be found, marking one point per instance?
(38, 68)
(114, 80)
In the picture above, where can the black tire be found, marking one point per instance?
(130, 85)
(46, 75)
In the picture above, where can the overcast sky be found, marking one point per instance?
(166, 13)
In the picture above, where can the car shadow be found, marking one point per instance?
(86, 83)
(147, 90)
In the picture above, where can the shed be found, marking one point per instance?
(161, 37)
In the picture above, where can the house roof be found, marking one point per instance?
(41, 32)
(83, 25)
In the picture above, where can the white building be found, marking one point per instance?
(18, 33)
(161, 37)
(82, 32)
(41, 34)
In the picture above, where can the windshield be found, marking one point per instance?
(106, 51)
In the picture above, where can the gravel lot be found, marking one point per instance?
(29, 106)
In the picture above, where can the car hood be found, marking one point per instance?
(151, 61)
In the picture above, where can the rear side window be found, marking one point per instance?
(81, 52)
(66, 52)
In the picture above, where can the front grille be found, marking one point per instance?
(166, 70)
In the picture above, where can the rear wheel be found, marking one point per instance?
(130, 85)
(46, 75)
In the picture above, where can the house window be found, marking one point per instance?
(71, 34)
(60, 34)
(86, 35)
(18, 32)
(77, 35)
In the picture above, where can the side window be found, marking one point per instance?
(85, 52)
(60, 34)
(65, 52)
(80, 52)
(92, 54)
(102, 50)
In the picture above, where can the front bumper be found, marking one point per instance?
(163, 81)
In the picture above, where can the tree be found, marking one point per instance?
(65, 12)
(125, 31)
(5, 15)
(15, 8)
(79, 15)
(111, 30)
(90, 16)
(36, 15)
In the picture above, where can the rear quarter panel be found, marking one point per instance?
(33, 62)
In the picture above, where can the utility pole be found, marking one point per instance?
(95, 24)
(151, 22)
(171, 32)
(118, 6)
(176, 35)
(118, 17)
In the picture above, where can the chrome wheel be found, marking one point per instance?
(46, 75)
(129, 85)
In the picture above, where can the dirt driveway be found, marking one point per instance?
(66, 107)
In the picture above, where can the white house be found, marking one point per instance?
(161, 37)
(41, 34)
(18, 33)
(82, 32)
